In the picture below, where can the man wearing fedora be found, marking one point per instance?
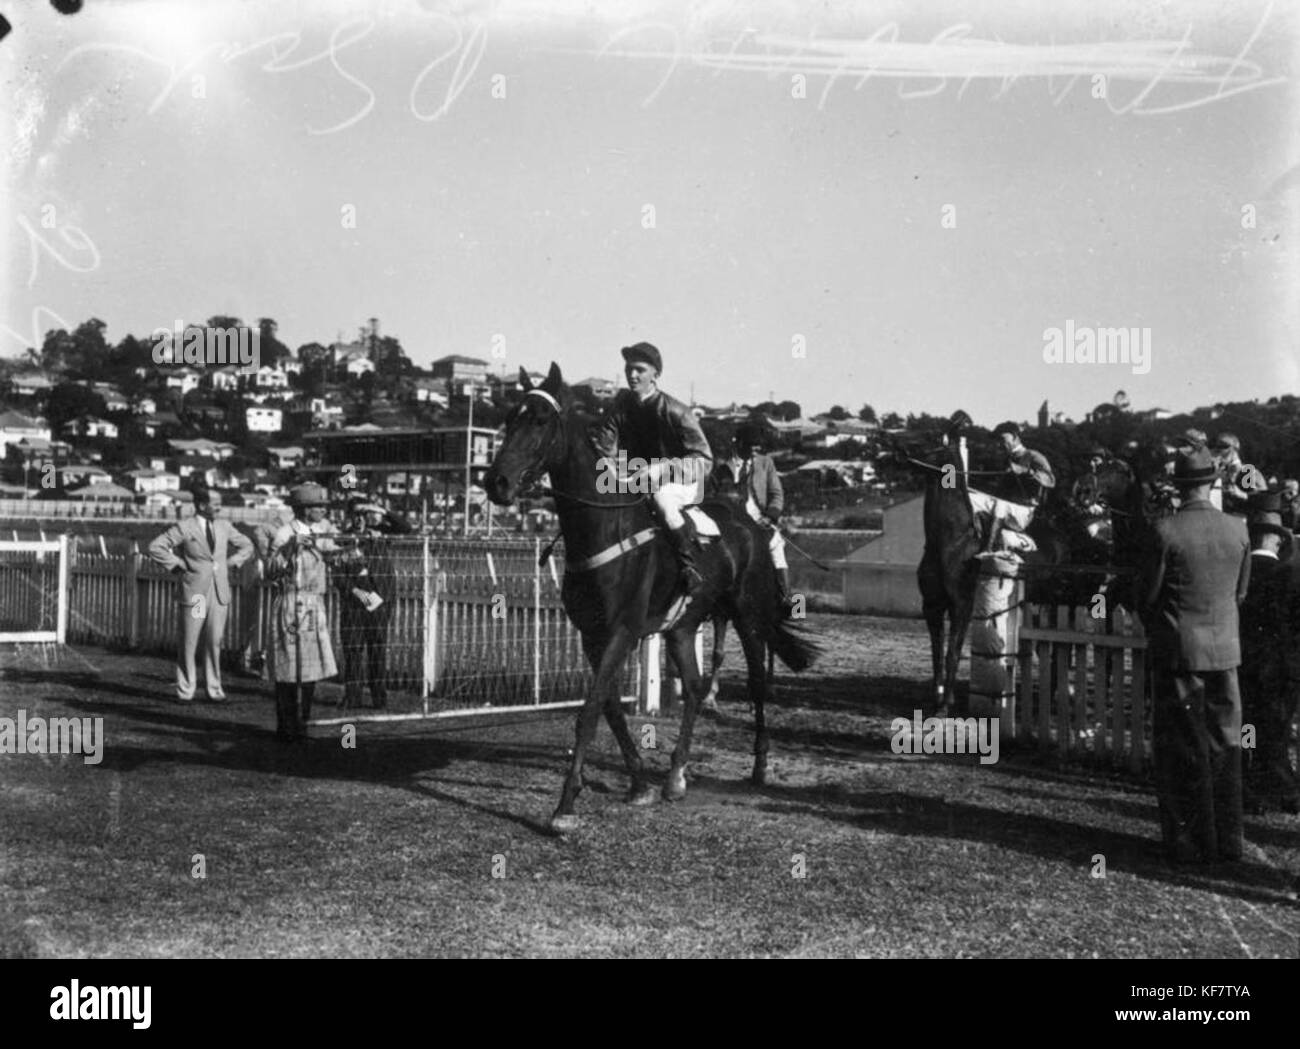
(197, 550)
(646, 423)
(1193, 582)
(1270, 659)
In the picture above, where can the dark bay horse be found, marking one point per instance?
(621, 580)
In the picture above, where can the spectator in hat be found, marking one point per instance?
(1270, 661)
(756, 481)
(647, 424)
(253, 651)
(1236, 480)
(197, 549)
(1193, 582)
(367, 590)
(301, 652)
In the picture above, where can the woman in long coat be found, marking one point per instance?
(301, 653)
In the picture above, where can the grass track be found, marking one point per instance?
(389, 849)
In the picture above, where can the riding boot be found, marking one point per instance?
(783, 592)
(684, 546)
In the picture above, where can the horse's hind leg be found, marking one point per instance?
(640, 792)
(715, 666)
(682, 647)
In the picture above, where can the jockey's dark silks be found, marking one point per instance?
(660, 427)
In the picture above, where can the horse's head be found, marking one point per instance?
(534, 439)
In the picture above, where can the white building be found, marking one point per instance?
(185, 380)
(89, 426)
(359, 366)
(264, 420)
(149, 482)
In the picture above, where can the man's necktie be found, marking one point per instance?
(212, 538)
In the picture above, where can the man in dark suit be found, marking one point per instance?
(195, 549)
(1270, 660)
(1194, 580)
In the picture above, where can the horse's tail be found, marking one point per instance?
(792, 646)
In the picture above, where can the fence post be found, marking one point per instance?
(429, 608)
(649, 683)
(131, 580)
(537, 622)
(61, 626)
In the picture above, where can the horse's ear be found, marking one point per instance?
(524, 381)
(553, 377)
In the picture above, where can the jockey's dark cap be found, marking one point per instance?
(643, 351)
(1007, 427)
(1098, 450)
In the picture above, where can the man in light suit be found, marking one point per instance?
(1197, 576)
(196, 549)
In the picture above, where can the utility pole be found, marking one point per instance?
(469, 452)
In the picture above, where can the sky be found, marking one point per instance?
(887, 203)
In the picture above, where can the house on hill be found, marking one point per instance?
(14, 427)
(460, 370)
(595, 388)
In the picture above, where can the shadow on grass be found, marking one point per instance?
(1048, 838)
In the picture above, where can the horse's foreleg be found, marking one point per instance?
(682, 646)
(607, 665)
(961, 618)
(934, 621)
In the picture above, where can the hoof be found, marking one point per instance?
(758, 777)
(710, 706)
(564, 824)
(675, 788)
(646, 795)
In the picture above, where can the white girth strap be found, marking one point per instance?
(611, 553)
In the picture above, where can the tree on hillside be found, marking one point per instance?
(892, 421)
(838, 413)
(867, 414)
(789, 411)
(273, 351)
(68, 401)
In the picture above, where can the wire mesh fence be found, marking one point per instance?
(459, 625)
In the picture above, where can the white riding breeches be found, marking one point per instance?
(776, 543)
(670, 498)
